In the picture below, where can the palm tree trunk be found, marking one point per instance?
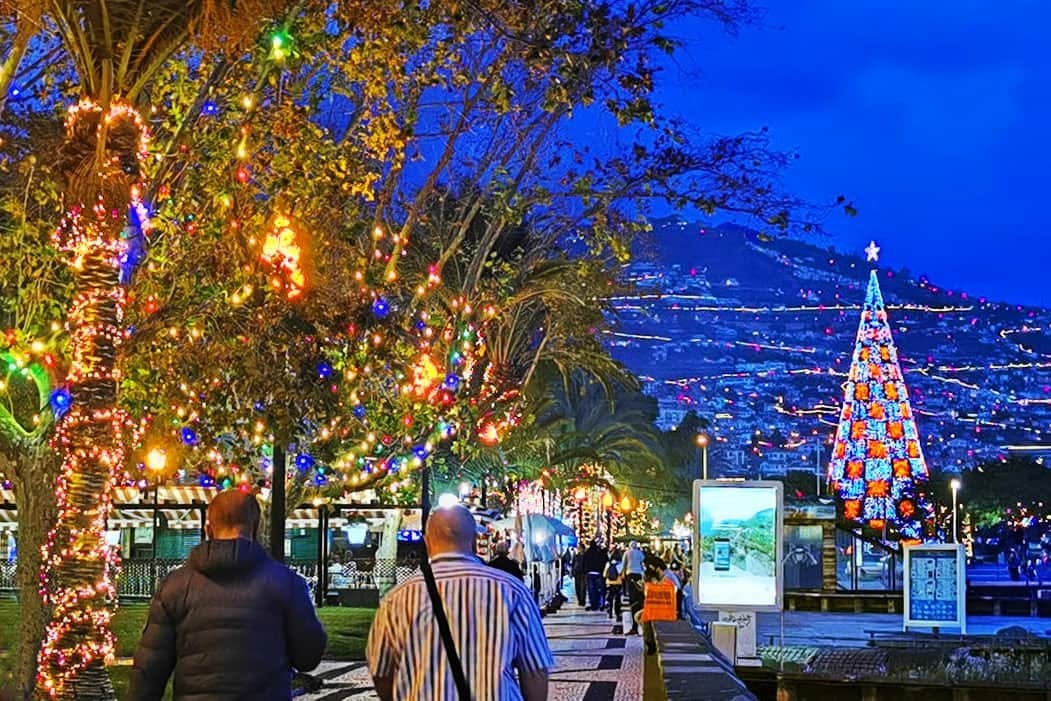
(35, 470)
(100, 160)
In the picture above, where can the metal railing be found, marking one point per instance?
(137, 578)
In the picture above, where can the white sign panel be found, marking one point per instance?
(738, 549)
(935, 586)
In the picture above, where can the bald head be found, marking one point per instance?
(233, 514)
(450, 530)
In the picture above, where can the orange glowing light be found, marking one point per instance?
(281, 250)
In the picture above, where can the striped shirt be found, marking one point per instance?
(494, 621)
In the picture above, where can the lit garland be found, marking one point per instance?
(877, 465)
(76, 576)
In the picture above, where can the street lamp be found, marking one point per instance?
(156, 460)
(702, 442)
(955, 486)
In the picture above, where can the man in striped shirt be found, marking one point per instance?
(495, 625)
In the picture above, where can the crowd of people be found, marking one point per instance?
(603, 576)
(234, 623)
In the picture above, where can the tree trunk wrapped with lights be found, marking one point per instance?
(100, 161)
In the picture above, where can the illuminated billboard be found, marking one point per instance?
(737, 545)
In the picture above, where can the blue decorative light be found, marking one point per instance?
(210, 109)
(188, 435)
(60, 401)
(452, 382)
(359, 411)
(380, 308)
(259, 406)
(304, 461)
(205, 481)
(324, 370)
(420, 452)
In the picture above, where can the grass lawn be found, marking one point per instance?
(348, 629)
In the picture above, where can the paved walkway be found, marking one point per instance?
(591, 663)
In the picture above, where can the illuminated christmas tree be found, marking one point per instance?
(877, 467)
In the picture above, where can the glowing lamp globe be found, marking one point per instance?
(156, 459)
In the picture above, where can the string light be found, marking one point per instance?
(877, 467)
(76, 576)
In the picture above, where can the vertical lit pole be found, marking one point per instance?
(607, 504)
(579, 496)
(702, 442)
(817, 470)
(955, 485)
(155, 461)
(626, 507)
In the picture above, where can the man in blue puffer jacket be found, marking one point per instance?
(232, 623)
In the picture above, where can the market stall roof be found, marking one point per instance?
(538, 523)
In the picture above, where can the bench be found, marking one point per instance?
(856, 601)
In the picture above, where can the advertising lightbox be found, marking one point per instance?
(737, 550)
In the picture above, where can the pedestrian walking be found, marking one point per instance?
(232, 623)
(614, 591)
(580, 582)
(633, 568)
(492, 632)
(504, 563)
(595, 560)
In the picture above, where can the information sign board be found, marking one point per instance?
(935, 586)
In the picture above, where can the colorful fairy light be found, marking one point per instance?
(75, 578)
(877, 466)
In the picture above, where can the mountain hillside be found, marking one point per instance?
(758, 334)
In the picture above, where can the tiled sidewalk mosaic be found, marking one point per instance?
(591, 663)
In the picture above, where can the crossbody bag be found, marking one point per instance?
(443, 628)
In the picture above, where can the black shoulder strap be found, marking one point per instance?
(443, 627)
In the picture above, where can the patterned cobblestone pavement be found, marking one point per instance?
(592, 663)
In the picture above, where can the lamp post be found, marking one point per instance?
(702, 442)
(955, 486)
(155, 462)
(817, 469)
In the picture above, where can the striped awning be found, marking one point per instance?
(8, 520)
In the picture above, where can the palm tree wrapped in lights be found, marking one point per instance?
(117, 47)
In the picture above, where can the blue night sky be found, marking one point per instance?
(931, 116)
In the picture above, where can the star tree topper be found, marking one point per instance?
(872, 251)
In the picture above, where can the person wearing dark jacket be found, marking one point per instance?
(595, 560)
(232, 623)
(580, 582)
(504, 563)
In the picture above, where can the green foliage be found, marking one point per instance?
(999, 490)
(438, 125)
